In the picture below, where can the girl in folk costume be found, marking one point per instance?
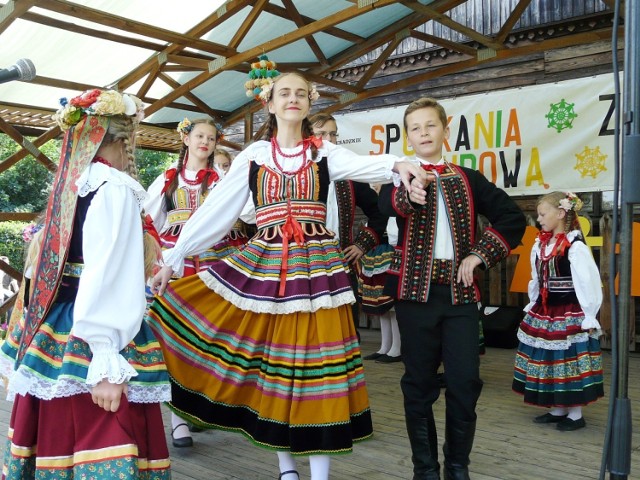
(559, 363)
(178, 192)
(267, 346)
(174, 196)
(86, 374)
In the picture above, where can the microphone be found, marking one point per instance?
(24, 70)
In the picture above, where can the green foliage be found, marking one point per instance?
(25, 186)
(12, 244)
(152, 163)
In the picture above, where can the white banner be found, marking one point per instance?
(528, 141)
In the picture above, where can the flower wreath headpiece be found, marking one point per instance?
(30, 230)
(185, 126)
(98, 102)
(571, 202)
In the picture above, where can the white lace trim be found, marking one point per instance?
(290, 306)
(375, 271)
(553, 345)
(7, 365)
(24, 381)
(98, 173)
(108, 364)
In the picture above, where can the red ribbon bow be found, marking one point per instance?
(169, 175)
(431, 167)
(317, 141)
(150, 228)
(214, 177)
(290, 229)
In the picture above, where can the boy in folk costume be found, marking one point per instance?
(85, 372)
(432, 279)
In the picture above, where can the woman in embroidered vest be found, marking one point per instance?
(267, 344)
(559, 362)
(88, 376)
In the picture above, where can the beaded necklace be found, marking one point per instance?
(103, 161)
(276, 148)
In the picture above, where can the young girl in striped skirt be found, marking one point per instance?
(559, 363)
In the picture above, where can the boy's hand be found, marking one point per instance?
(107, 395)
(465, 271)
(352, 253)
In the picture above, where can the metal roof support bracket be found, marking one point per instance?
(365, 3)
(162, 58)
(30, 147)
(486, 54)
(217, 64)
(6, 11)
(347, 97)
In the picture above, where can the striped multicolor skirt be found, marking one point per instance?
(53, 409)
(557, 363)
(287, 381)
(371, 279)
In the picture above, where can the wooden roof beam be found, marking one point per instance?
(247, 24)
(92, 32)
(517, 12)
(299, 21)
(23, 152)
(432, 14)
(560, 42)
(285, 39)
(11, 11)
(216, 114)
(148, 82)
(375, 66)
(333, 31)
(27, 145)
(455, 46)
(131, 26)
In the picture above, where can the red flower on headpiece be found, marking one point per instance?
(86, 99)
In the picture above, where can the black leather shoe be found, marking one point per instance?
(388, 359)
(568, 425)
(548, 418)
(181, 442)
(373, 356)
(195, 429)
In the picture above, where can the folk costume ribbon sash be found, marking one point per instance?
(562, 243)
(171, 173)
(80, 144)
(290, 230)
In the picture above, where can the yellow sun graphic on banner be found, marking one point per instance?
(590, 162)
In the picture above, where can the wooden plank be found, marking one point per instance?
(512, 20)
(294, 15)
(27, 145)
(11, 11)
(247, 23)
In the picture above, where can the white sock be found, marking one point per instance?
(183, 431)
(385, 334)
(558, 411)
(319, 467)
(286, 463)
(575, 413)
(394, 351)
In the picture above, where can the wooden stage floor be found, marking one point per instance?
(508, 446)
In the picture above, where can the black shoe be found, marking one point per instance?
(373, 356)
(388, 359)
(181, 442)
(548, 418)
(195, 429)
(568, 425)
(287, 473)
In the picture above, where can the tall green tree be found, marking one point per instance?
(152, 163)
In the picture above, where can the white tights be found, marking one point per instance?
(390, 343)
(319, 465)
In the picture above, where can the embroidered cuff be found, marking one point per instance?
(491, 248)
(108, 364)
(401, 202)
(366, 239)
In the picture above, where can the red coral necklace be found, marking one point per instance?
(276, 148)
